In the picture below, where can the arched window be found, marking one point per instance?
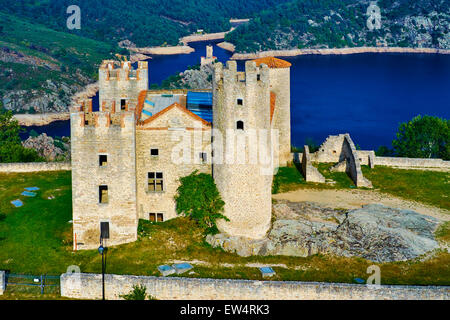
(240, 125)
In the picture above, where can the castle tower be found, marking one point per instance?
(120, 84)
(209, 56)
(103, 176)
(280, 85)
(241, 106)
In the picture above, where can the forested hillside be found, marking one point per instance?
(40, 69)
(43, 63)
(342, 23)
(144, 22)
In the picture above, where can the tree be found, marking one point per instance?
(11, 149)
(423, 137)
(198, 198)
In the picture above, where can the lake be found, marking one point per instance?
(366, 95)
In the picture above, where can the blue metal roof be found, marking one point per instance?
(200, 103)
(199, 98)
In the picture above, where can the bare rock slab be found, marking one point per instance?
(374, 232)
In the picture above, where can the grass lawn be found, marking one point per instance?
(430, 187)
(37, 239)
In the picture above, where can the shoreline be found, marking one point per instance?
(340, 51)
(170, 50)
(28, 120)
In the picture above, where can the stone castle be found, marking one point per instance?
(123, 166)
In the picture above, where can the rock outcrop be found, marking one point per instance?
(48, 147)
(374, 232)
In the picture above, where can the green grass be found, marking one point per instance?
(429, 187)
(343, 181)
(37, 239)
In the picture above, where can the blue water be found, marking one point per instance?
(366, 95)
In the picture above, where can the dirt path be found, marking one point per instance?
(352, 199)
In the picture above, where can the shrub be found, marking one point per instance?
(139, 292)
(198, 198)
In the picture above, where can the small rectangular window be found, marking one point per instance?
(156, 217)
(258, 77)
(123, 104)
(103, 160)
(155, 181)
(240, 102)
(103, 194)
(104, 230)
(154, 152)
(203, 156)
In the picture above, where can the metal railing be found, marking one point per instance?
(41, 281)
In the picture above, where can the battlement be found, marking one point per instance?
(102, 120)
(252, 75)
(115, 70)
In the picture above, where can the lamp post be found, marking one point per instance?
(101, 250)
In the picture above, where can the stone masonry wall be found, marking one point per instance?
(2, 282)
(166, 140)
(411, 162)
(245, 187)
(281, 86)
(117, 142)
(89, 286)
(353, 165)
(34, 166)
(310, 172)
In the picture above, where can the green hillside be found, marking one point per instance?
(39, 63)
(342, 23)
(144, 22)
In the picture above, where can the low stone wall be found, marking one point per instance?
(2, 282)
(89, 286)
(35, 167)
(411, 162)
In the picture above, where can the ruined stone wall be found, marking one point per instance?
(89, 286)
(330, 150)
(34, 166)
(281, 86)
(101, 137)
(310, 173)
(244, 186)
(341, 149)
(353, 165)
(166, 142)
